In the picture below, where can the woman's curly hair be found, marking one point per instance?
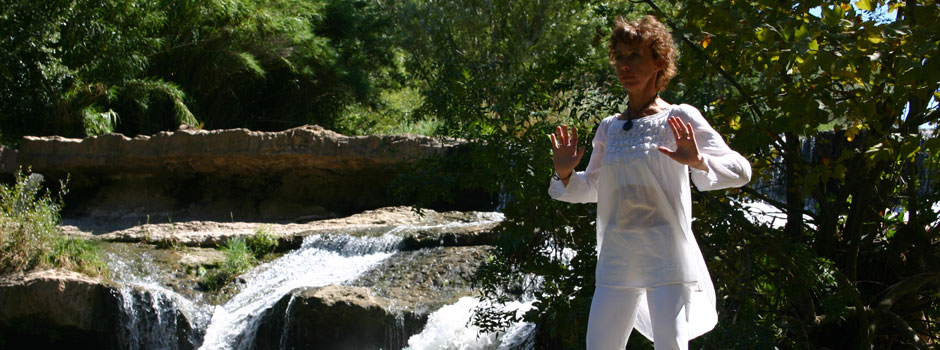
(647, 30)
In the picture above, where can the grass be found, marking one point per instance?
(241, 254)
(238, 260)
(29, 234)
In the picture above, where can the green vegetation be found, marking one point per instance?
(860, 271)
(29, 235)
(262, 242)
(92, 67)
(857, 264)
(241, 254)
(238, 260)
(395, 115)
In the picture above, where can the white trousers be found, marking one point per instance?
(614, 310)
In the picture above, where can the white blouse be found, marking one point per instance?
(644, 208)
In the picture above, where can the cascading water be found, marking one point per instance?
(152, 316)
(319, 262)
(155, 317)
(450, 328)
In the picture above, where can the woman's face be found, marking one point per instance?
(636, 67)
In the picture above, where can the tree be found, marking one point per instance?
(857, 90)
(78, 68)
(826, 101)
(502, 74)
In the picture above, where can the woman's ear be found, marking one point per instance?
(661, 63)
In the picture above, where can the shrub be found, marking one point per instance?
(263, 242)
(29, 232)
(238, 259)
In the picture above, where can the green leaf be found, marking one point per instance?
(909, 150)
(865, 5)
(801, 32)
(251, 64)
(764, 34)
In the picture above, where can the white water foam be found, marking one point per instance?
(234, 324)
(449, 328)
(150, 311)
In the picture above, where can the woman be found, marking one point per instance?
(650, 272)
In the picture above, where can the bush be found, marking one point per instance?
(263, 242)
(239, 258)
(29, 232)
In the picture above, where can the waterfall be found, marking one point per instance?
(234, 324)
(450, 328)
(349, 246)
(155, 317)
(282, 343)
(152, 316)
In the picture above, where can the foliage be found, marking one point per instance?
(502, 74)
(238, 259)
(394, 115)
(241, 255)
(238, 256)
(857, 90)
(29, 235)
(262, 242)
(91, 67)
(827, 106)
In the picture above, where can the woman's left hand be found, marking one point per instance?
(686, 151)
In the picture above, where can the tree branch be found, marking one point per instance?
(752, 105)
(913, 123)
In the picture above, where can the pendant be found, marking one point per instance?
(628, 125)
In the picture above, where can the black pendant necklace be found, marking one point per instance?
(629, 124)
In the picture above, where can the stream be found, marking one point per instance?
(157, 316)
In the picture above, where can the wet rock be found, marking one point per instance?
(422, 281)
(381, 309)
(196, 257)
(456, 237)
(428, 229)
(57, 309)
(66, 310)
(335, 317)
(152, 319)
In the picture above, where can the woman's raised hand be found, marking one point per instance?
(686, 149)
(565, 152)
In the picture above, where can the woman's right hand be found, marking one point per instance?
(565, 152)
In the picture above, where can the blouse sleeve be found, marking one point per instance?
(726, 168)
(582, 186)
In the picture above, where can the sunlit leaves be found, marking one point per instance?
(865, 5)
(854, 86)
(267, 65)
